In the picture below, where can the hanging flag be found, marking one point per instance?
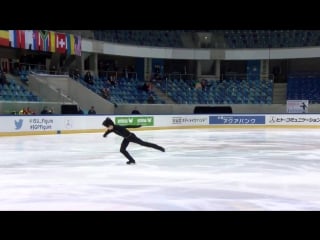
(70, 44)
(12, 38)
(61, 43)
(21, 38)
(35, 37)
(4, 38)
(29, 44)
(44, 41)
(17, 38)
(52, 36)
(77, 45)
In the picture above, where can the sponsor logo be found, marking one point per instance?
(68, 124)
(189, 120)
(243, 119)
(144, 121)
(18, 123)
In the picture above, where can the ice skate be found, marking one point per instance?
(131, 162)
(162, 149)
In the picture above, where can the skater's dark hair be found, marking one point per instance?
(108, 122)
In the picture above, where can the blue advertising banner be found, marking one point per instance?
(237, 119)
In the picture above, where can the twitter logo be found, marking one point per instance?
(18, 123)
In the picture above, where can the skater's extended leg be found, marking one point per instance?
(123, 150)
(135, 139)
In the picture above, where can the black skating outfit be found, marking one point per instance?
(127, 138)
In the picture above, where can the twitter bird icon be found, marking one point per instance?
(18, 123)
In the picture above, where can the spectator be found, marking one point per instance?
(105, 93)
(203, 84)
(88, 78)
(23, 111)
(112, 80)
(80, 111)
(150, 99)
(146, 87)
(29, 111)
(75, 74)
(53, 69)
(92, 111)
(3, 78)
(135, 111)
(26, 111)
(198, 85)
(50, 111)
(44, 110)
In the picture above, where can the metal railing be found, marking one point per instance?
(240, 76)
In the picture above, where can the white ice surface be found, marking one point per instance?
(207, 169)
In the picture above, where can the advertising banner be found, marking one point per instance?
(297, 106)
(292, 119)
(237, 119)
(141, 120)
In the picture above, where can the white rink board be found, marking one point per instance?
(58, 123)
(293, 119)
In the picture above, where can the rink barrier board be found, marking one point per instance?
(21, 125)
(28, 133)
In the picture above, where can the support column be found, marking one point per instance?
(198, 71)
(93, 62)
(264, 70)
(147, 69)
(217, 73)
(83, 58)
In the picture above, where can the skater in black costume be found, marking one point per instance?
(127, 138)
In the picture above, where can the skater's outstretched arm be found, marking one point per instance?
(106, 133)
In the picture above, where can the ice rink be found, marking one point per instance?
(202, 169)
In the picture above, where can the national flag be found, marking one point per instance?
(17, 38)
(77, 45)
(12, 38)
(61, 43)
(70, 44)
(35, 37)
(52, 36)
(22, 38)
(29, 43)
(4, 38)
(44, 41)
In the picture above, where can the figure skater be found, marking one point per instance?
(127, 138)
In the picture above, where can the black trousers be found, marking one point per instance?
(133, 138)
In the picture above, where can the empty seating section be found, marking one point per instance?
(271, 38)
(125, 91)
(24, 76)
(159, 38)
(304, 87)
(229, 91)
(220, 92)
(15, 92)
(230, 38)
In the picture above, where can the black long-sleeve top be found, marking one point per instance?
(121, 130)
